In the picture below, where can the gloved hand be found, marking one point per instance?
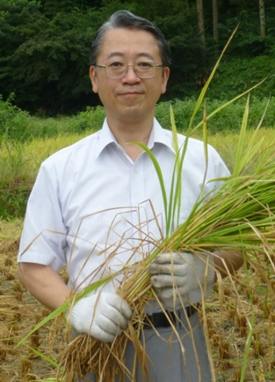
(102, 315)
(175, 275)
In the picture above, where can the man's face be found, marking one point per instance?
(130, 98)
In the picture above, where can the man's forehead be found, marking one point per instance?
(121, 41)
(117, 54)
(121, 36)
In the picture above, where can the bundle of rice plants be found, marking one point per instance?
(238, 216)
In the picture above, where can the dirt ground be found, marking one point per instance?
(240, 320)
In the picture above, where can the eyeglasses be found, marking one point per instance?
(118, 69)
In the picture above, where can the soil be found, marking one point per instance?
(240, 320)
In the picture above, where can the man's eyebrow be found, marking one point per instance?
(148, 55)
(115, 54)
(143, 54)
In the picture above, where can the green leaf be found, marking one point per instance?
(159, 174)
(240, 148)
(44, 357)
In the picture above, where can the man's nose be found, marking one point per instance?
(130, 73)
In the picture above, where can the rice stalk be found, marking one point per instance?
(247, 348)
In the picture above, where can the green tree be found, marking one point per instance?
(201, 21)
(53, 7)
(215, 20)
(262, 18)
(44, 46)
(47, 61)
(20, 20)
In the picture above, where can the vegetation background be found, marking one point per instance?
(44, 48)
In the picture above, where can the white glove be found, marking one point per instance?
(102, 315)
(175, 275)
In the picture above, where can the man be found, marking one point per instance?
(97, 205)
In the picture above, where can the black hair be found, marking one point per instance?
(128, 20)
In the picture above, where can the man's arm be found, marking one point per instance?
(228, 261)
(44, 284)
(103, 316)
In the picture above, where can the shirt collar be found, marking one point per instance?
(105, 138)
(158, 135)
(161, 136)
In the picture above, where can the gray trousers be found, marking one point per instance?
(168, 360)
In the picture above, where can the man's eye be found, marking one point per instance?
(116, 64)
(145, 65)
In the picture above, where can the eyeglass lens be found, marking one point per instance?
(118, 69)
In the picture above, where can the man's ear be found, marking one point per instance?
(166, 74)
(93, 78)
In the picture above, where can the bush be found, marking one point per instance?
(228, 119)
(237, 75)
(18, 125)
(91, 119)
(15, 179)
(12, 120)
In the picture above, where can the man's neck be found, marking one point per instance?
(132, 132)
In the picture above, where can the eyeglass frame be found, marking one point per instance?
(126, 70)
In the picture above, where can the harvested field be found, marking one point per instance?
(19, 312)
(240, 321)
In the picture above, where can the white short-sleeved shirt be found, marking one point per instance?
(92, 203)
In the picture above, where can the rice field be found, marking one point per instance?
(240, 315)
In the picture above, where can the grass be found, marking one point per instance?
(19, 163)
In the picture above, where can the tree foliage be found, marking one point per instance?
(44, 47)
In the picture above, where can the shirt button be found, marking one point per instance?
(136, 171)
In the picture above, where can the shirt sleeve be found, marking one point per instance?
(217, 171)
(43, 238)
